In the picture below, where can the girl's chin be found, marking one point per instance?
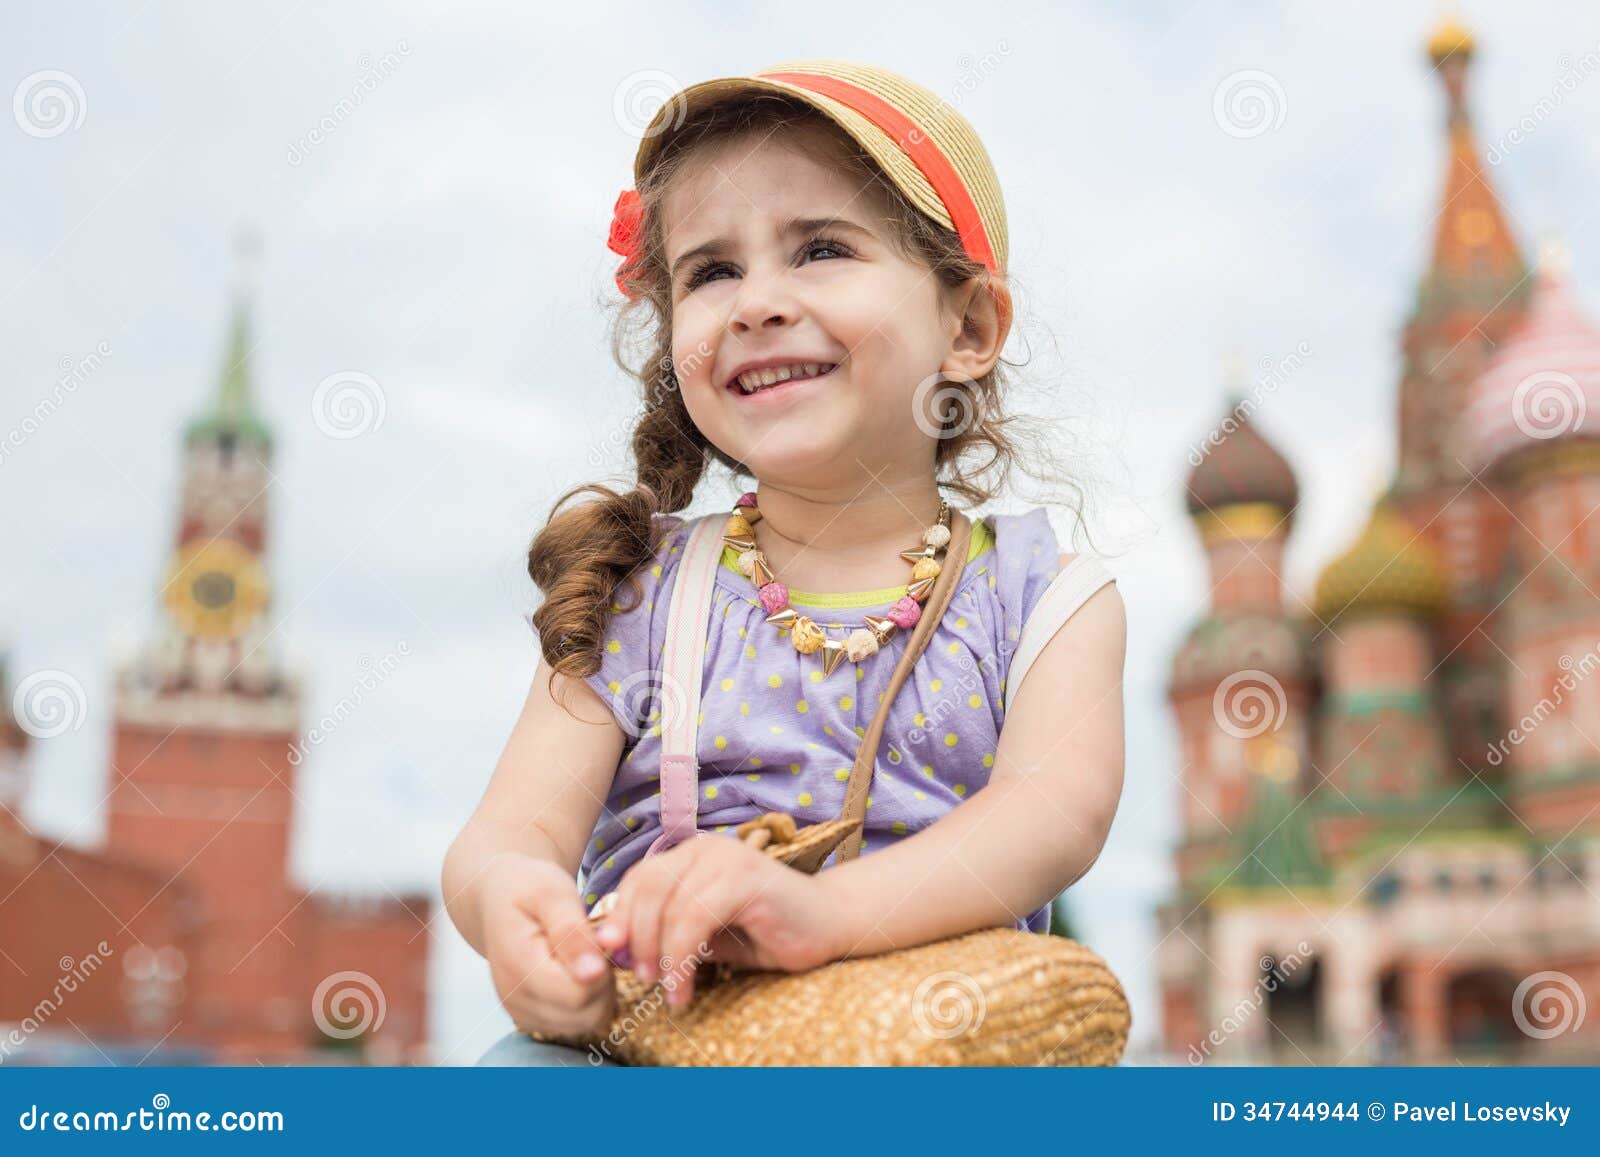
(795, 455)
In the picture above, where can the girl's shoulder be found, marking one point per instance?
(634, 635)
(643, 596)
(1024, 555)
(1026, 560)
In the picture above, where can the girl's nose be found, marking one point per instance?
(763, 303)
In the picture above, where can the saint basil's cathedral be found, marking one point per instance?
(1389, 845)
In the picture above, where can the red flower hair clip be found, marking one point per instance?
(626, 221)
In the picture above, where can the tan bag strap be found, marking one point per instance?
(855, 792)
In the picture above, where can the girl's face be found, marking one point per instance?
(778, 258)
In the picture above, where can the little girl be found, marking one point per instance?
(819, 253)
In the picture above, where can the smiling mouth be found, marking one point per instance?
(778, 379)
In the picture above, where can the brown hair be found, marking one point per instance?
(586, 553)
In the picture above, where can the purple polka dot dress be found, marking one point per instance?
(775, 734)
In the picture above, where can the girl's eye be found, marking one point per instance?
(823, 243)
(706, 269)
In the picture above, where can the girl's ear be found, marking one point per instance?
(984, 311)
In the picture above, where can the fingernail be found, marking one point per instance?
(589, 966)
(610, 933)
(642, 970)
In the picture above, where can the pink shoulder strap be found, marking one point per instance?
(1069, 590)
(683, 668)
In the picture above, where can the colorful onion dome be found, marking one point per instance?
(1451, 38)
(1543, 385)
(1219, 646)
(1391, 569)
(1237, 465)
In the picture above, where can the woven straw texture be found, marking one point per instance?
(938, 119)
(993, 997)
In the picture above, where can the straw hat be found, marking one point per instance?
(920, 141)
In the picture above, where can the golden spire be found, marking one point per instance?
(1449, 39)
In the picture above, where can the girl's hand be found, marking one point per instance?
(715, 898)
(547, 969)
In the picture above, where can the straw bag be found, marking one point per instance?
(999, 996)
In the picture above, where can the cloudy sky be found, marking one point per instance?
(432, 184)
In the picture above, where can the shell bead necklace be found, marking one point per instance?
(805, 635)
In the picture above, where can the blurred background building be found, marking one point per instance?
(183, 939)
(1390, 822)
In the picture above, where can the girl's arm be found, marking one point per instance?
(1035, 828)
(543, 799)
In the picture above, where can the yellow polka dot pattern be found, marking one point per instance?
(940, 744)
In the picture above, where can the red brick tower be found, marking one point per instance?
(201, 782)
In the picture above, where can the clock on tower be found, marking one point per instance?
(216, 589)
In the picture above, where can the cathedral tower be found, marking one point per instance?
(1534, 428)
(1240, 682)
(1470, 296)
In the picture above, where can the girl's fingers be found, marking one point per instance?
(533, 975)
(669, 910)
(571, 938)
(699, 906)
(643, 916)
(709, 898)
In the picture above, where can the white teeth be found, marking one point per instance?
(755, 380)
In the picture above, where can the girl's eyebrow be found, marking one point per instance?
(806, 225)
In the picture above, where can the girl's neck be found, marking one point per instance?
(845, 536)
